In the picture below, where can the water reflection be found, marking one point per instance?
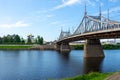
(92, 64)
(65, 54)
(44, 65)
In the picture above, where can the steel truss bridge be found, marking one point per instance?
(91, 29)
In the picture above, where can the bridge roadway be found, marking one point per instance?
(103, 34)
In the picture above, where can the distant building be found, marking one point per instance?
(77, 43)
(109, 42)
(31, 37)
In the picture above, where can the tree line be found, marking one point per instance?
(16, 39)
(105, 46)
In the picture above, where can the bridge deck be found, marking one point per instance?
(103, 34)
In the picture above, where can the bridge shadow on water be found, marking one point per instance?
(80, 64)
(92, 65)
(64, 55)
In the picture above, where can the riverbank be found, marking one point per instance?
(91, 76)
(27, 47)
(15, 47)
(52, 47)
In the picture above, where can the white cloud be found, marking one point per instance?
(67, 3)
(89, 2)
(14, 25)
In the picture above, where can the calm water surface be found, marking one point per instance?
(42, 65)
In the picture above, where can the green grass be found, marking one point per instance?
(91, 76)
(15, 47)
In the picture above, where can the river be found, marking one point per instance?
(43, 65)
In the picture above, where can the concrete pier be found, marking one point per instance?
(64, 47)
(93, 48)
(57, 47)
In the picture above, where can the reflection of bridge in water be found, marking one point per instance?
(92, 64)
(85, 65)
(91, 29)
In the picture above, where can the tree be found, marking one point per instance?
(0, 40)
(17, 39)
(9, 39)
(22, 41)
(39, 40)
(4, 40)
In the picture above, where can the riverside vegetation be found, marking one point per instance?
(16, 42)
(91, 76)
(105, 46)
(16, 39)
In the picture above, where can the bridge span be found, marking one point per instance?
(91, 29)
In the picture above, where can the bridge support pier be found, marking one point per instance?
(64, 47)
(57, 47)
(93, 48)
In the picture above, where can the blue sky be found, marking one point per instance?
(47, 17)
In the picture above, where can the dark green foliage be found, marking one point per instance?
(16, 39)
(22, 41)
(39, 40)
(105, 46)
(11, 39)
(4, 40)
(78, 47)
(0, 40)
(91, 76)
(111, 46)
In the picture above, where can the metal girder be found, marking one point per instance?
(63, 35)
(92, 24)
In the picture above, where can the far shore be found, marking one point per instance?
(51, 47)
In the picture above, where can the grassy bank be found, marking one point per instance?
(91, 76)
(12, 47)
(105, 46)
